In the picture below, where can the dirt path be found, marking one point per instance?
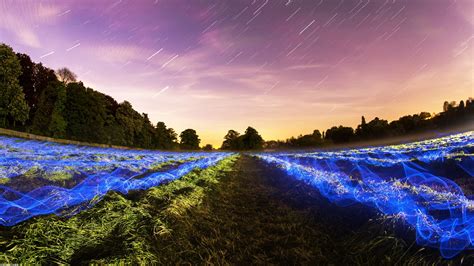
(255, 216)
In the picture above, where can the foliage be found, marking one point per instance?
(164, 137)
(12, 99)
(232, 141)
(66, 76)
(126, 228)
(208, 147)
(38, 100)
(377, 128)
(189, 140)
(251, 140)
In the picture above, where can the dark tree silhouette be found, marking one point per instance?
(208, 147)
(189, 140)
(251, 140)
(66, 76)
(232, 141)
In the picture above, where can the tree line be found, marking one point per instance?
(39, 100)
(453, 114)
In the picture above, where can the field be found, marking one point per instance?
(404, 204)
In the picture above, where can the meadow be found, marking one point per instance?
(402, 204)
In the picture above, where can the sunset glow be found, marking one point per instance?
(283, 67)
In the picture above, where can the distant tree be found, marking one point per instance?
(34, 79)
(208, 147)
(19, 109)
(86, 114)
(130, 121)
(361, 130)
(189, 140)
(144, 138)
(251, 140)
(340, 134)
(310, 140)
(58, 124)
(445, 106)
(461, 107)
(165, 138)
(231, 141)
(12, 98)
(66, 76)
(425, 115)
(49, 118)
(377, 128)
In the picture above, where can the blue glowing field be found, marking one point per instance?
(40, 178)
(428, 185)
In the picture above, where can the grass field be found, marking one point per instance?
(240, 211)
(67, 204)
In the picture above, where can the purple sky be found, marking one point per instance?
(285, 67)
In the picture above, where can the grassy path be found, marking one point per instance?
(244, 221)
(258, 215)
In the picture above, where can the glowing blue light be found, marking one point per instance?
(405, 181)
(95, 170)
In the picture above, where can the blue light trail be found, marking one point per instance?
(95, 170)
(415, 182)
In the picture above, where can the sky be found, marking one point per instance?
(284, 67)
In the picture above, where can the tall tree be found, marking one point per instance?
(45, 106)
(165, 138)
(66, 76)
(251, 139)
(189, 140)
(58, 125)
(85, 114)
(12, 98)
(34, 79)
(231, 141)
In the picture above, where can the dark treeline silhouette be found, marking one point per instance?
(36, 99)
(251, 140)
(453, 115)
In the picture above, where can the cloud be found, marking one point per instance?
(23, 31)
(21, 18)
(118, 53)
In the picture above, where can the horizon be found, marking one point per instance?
(284, 68)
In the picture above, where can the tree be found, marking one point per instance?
(231, 141)
(12, 98)
(49, 118)
(85, 114)
(19, 109)
(208, 147)
(34, 79)
(130, 121)
(66, 76)
(58, 125)
(189, 140)
(310, 140)
(461, 107)
(445, 106)
(251, 140)
(340, 134)
(164, 138)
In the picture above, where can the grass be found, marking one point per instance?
(238, 212)
(118, 228)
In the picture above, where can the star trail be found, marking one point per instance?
(284, 67)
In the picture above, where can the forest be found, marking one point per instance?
(39, 100)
